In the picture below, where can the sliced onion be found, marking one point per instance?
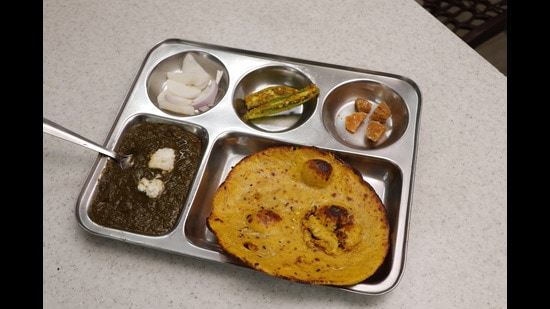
(190, 89)
(165, 95)
(219, 75)
(175, 103)
(204, 108)
(207, 97)
(201, 80)
(186, 78)
(182, 90)
(177, 108)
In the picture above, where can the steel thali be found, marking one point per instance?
(388, 165)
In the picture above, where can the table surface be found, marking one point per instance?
(457, 242)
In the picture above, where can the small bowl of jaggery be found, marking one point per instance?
(365, 114)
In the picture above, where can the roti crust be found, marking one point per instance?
(302, 214)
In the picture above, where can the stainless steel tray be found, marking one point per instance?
(387, 165)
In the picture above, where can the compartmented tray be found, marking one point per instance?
(388, 165)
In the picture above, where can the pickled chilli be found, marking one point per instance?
(278, 104)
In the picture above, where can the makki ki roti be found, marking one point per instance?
(302, 214)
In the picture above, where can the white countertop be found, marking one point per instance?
(457, 242)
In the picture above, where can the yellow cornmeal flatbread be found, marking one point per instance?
(301, 214)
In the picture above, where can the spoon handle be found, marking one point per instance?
(56, 130)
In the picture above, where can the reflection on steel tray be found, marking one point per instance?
(388, 165)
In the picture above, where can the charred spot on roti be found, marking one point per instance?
(316, 173)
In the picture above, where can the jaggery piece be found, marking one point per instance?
(375, 130)
(362, 105)
(381, 113)
(354, 120)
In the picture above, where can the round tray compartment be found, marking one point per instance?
(340, 102)
(157, 80)
(273, 76)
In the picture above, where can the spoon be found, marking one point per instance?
(57, 130)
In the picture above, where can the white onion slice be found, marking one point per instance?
(190, 64)
(219, 74)
(165, 95)
(207, 97)
(201, 80)
(181, 90)
(190, 78)
(177, 108)
(187, 78)
(174, 103)
(204, 108)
